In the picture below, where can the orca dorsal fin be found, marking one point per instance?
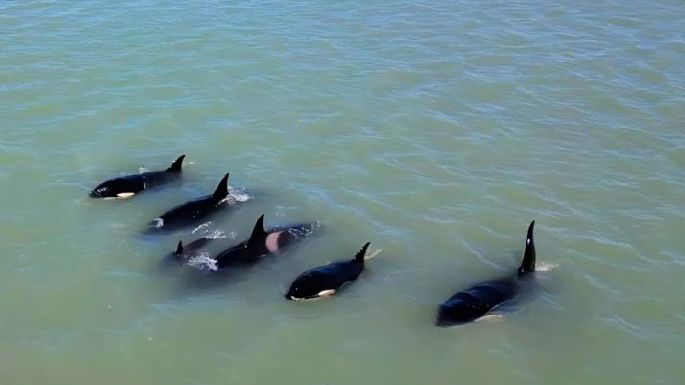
(362, 253)
(528, 264)
(176, 166)
(221, 191)
(258, 232)
(179, 248)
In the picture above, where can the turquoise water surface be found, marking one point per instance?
(437, 130)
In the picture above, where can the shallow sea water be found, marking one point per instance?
(434, 129)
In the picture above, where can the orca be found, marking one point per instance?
(184, 253)
(261, 244)
(192, 212)
(130, 185)
(480, 299)
(324, 281)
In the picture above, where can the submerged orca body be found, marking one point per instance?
(261, 244)
(326, 280)
(478, 300)
(130, 185)
(193, 212)
(184, 253)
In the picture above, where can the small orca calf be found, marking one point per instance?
(130, 185)
(326, 280)
(477, 301)
(184, 253)
(262, 243)
(191, 213)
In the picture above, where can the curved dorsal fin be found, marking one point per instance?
(179, 248)
(176, 166)
(362, 253)
(221, 191)
(528, 264)
(258, 232)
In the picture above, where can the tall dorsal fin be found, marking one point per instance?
(528, 264)
(176, 166)
(362, 253)
(179, 248)
(258, 232)
(221, 191)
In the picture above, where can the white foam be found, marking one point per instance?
(203, 262)
(159, 222)
(207, 230)
(374, 254)
(542, 266)
(236, 195)
(305, 231)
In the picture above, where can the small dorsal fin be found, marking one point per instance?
(258, 232)
(179, 248)
(221, 191)
(528, 264)
(176, 166)
(362, 253)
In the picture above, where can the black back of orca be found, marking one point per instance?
(328, 279)
(130, 185)
(478, 300)
(193, 212)
(262, 243)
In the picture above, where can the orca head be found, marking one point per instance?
(112, 189)
(304, 289)
(459, 312)
(103, 190)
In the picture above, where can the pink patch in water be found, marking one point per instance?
(272, 241)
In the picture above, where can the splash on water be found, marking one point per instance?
(374, 254)
(236, 195)
(542, 266)
(203, 262)
(301, 231)
(207, 230)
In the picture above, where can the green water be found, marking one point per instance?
(434, 129)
